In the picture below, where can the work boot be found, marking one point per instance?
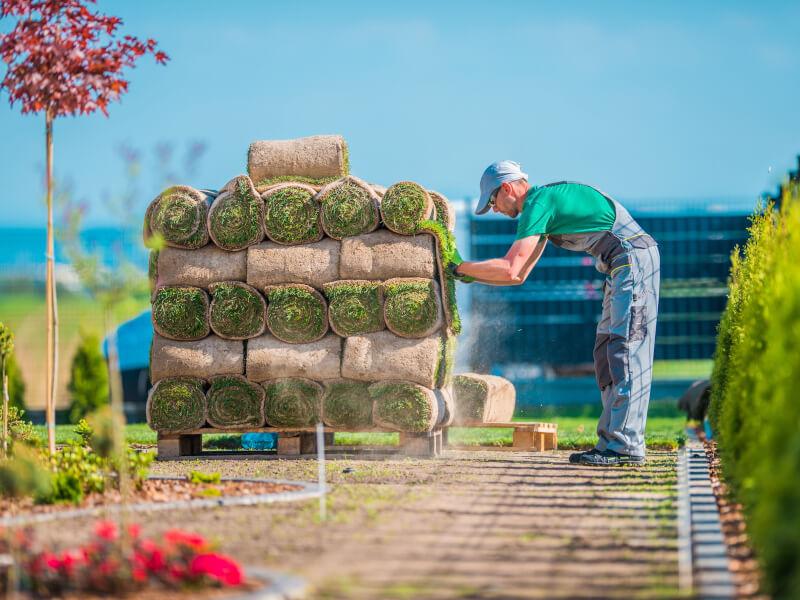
(575, 457)
(609, 458)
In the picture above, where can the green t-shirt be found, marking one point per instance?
(563, 208)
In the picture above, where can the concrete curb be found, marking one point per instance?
(281, 586)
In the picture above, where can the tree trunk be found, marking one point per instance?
(50, 295)
(5, 405)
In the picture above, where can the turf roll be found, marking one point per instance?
(176, 404)
(178, 216)
(296, 313)
(443, 212)
(312, 264)
(270, 358)
(446, 253)
(483, 399)
(404, 406)
(315, 183)
(198, 268)
(347, 404)
(412, 306)
(235, 218)
(355, 306)
(202, 358)
(292, 402)
(180, 312)
(447, 359)
(404, 206)
(292, 214)
(238, 311)
(349, 208)
(314, 157)
(383, 255)
(383, 355)
(233, 402)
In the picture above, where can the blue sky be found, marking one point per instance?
(646, 100)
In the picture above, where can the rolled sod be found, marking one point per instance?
(176, 404)
(198, 268)
(383, 355)
(292, 214)
(483, 399)
(355, 306)
(296, 313)
(292, 402)
(443, 213)
(315, 183)
(412, 306)
(349, 208)
(236, 216)
(178, 216)
(404, 406)
(383, 255)
(233, 402)
(270, 358)
(238, 311)
(202, 358)
(447, 359)
(446, 253)
(312, 264)
(347, 404)
(317, 156)
(152, 269)
(404, 206)
(180, 312)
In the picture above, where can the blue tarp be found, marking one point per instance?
(133, 342)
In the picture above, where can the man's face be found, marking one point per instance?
(505, 201)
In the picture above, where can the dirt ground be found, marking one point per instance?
(468, 525)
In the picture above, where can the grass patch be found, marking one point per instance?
(296, 313)
(410, 307)
(181, 312)
(355, 307)
(348, 209)
(177, 404)
(235, 219)
(234, 402)
(404, 206)
(292, 402)
(178, 215)
(291, 216)
(237, 310)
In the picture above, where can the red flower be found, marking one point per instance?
(52, 561)
(178, 537)
(218, 567)
(134, 529)
(106, 530)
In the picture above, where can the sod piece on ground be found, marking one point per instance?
(316, 157)
(291, 214)
(270, 358)
(347, 404)
(412, 307)
(204, 358)
(235, 219)
(238, 311)
(233, 402)
(178, 215)
(292, 402)
(176, 404)
(404, 406)
(384, 254)
(180, 312)
(314, 264)
(349, 208)
(296, 313)
(355, 306)
(404, 206)
(443, 213)
(383, 355)
(483, 399)
(446, 253)
(198, 268)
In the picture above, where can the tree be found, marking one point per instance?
(6, 348)
(64, 59)
(88, 383)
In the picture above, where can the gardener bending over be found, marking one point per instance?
(578, 217)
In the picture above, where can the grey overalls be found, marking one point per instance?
(623, 349)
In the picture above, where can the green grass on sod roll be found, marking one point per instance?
(348, 210)
(355, 307)
(446, 244)
(235, 222)
(316, 181)
(296, 313)
(177, 404)
(238, 311)
(181, 312)
(471, 394)
(292, 402)
(447, 360)
(152, 269)
(347, 404)
(179, 216)
(442, 214)
(404, 206)
(233, 402)
(411, 306)
(291, 216)
(405, 405)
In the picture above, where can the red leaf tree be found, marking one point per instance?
(64, 59)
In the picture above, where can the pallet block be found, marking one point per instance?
(528, 435)
(422, 444)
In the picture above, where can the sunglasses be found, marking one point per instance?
(493, 199)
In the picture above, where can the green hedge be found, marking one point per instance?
(754, 409)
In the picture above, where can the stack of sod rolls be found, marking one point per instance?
(299, 293)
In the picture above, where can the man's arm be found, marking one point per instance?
(512, 269)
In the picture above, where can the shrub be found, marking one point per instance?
(24, 475)
(88, 384)
(16, 384)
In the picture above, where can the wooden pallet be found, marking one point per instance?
(295, 442)
(529, 436)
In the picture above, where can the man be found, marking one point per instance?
(580, 218)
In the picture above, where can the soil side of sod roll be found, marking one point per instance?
(384, 254)
(355, 307)
(198, 268)
(233, 402)
(292, 402)
(347, 404)
(235, 218)
(292, 214)
(404, 406)
(202, 359)
(176, 404)
(349, 208)
(238, 311)
(181, 312)
(296, 313)
(316, 156)
(314, 264)
(483, 398)
(178, 217)
(270, 358)
(412, 307)
(404, 206)
(383, 355)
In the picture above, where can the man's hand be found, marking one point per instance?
(452, 269)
